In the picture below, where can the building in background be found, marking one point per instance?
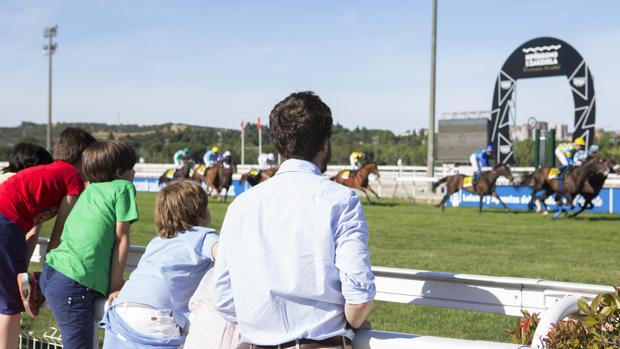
(561, 132)
(459, 137)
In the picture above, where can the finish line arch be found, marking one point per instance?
(541, 57)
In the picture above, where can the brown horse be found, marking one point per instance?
(593, 185)
(198, 173)
(176, 174)
(358, 179)
(547, 178)
(256, 176)
(485, 185)
(218, 177)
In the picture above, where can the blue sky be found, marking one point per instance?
(212, 63)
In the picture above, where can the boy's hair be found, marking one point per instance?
(26, 155)
(299, 125)
(71, 144)
(105, 161)
(178, 207)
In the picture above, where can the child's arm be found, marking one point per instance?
(63, 212)
(32, 237)
(214, 251)
(119, 257)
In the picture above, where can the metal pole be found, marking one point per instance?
(242, 147)
(49, 102)
(430, 161)
(260, 140)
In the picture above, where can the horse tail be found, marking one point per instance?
(526, 179)
(439, 182)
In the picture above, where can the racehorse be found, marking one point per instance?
(593, 185)
(546, 178)
(358, 179)
(219, 176)
(256, 176)
(484, 186)
(198, 173)
(175, 174)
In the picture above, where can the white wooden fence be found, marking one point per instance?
(502, 295)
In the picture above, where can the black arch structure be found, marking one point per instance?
(541, 57)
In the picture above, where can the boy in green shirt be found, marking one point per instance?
(93, 248)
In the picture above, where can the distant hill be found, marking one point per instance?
(158, 143)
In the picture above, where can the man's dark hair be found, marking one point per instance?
(26, 155)
(299, 125)
(71, 144)
(105, 161)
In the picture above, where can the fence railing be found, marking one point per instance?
(493, 294)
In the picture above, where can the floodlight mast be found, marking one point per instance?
(430, 144)
(49, 50)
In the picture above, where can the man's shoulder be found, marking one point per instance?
(334, 192)
(317, 186)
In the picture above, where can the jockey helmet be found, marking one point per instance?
(579, 141)
(226, 154)
(186, 150)
(490, 148)
(593, 149)
(215, 149)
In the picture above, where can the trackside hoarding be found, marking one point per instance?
(151, 185)
(518, 199)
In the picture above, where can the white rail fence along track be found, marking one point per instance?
(493, 294)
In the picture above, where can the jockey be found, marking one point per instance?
(481, 158)
(593, 152)
(210, 157)
(180, 157)
(226, 158)
(580, 157)
(266, 160)
(565, 152)
(357, 159)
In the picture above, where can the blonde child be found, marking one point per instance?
(151, 310)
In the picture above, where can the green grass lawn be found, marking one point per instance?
(460, 240)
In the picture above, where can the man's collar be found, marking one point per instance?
(296, 165)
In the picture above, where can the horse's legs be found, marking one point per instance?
(541, 199)
(442, 203)
(367, 197)
(533, 199)
(500, 200)
(372, 191)
(571, 206)
(581, 209)
(480, 207)
(445, 198)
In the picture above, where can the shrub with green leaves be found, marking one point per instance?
(598, 329)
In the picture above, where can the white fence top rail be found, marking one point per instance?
(493, 294)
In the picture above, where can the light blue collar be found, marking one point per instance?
(296, 165)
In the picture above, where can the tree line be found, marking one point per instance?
(158, 143)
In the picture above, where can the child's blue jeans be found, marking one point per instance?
(73, 308)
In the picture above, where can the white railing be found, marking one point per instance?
(502, 295)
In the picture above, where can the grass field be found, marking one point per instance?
(460, 240)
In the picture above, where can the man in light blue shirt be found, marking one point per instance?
(294, 265)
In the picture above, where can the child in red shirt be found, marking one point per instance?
(27, 199)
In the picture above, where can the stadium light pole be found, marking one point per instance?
(430, 144)
(49, 50)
